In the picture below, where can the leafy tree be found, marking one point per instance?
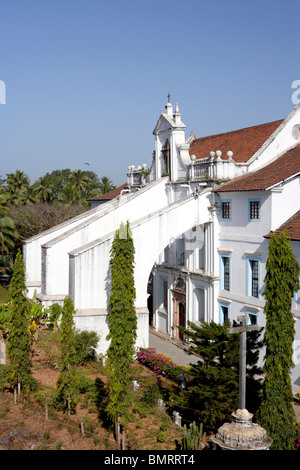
(57, 180)
(276, 412)
(212, 391)
(213, 383)
(94, 182)
(35, 218)
(2, 182)
(122, 321)
(18, 346)
(66, 383)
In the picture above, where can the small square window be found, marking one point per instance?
(252, 318)
(254, 209)
(226, 210)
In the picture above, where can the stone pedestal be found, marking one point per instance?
(241, 434)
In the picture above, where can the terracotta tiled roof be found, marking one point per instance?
(279, 170)
(110, 195)
(292, 227)
(243, 143)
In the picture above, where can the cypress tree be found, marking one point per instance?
(276, 412)
(66, 383)
(18, 347)
(122, 321)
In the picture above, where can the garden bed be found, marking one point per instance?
(24, 426)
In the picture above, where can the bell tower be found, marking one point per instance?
(171, 156)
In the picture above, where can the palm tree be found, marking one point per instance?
(106, 185)
(17, 180)
(29, 195)
(8, 232)
(79, 181)
(68, 196)
(44, 190)
(16, 184)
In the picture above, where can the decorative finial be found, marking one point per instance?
(169, 96)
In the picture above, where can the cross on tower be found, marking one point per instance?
(242, 329)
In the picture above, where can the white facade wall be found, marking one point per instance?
(32, 249)
(89, 265)
(73, 258)
(99, 323)
(282, 140)
(285, 202)
(54, 275)
(242, 240)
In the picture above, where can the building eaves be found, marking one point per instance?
(291, 226)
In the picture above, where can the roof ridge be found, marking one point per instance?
(241, 129)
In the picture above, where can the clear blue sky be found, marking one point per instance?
(86, 79)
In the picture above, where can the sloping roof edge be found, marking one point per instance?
(291, 226)
(279, 170)
(110, 195)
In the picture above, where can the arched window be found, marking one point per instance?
(166, 158)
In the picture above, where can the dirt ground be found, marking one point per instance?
(24, 426)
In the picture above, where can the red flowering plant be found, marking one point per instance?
(297, 440)
(159, 363)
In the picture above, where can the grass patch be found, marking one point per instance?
(4, 296)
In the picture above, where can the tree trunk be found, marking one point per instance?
(117, 429)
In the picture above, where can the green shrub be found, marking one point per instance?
(164, 426)
(3, 376)
(151, 394)
(161, 437)
(54, 312)
(85, 345)
(141, 408)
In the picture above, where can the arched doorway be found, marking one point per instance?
(179, 305)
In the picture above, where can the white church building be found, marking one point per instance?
(200, 216)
